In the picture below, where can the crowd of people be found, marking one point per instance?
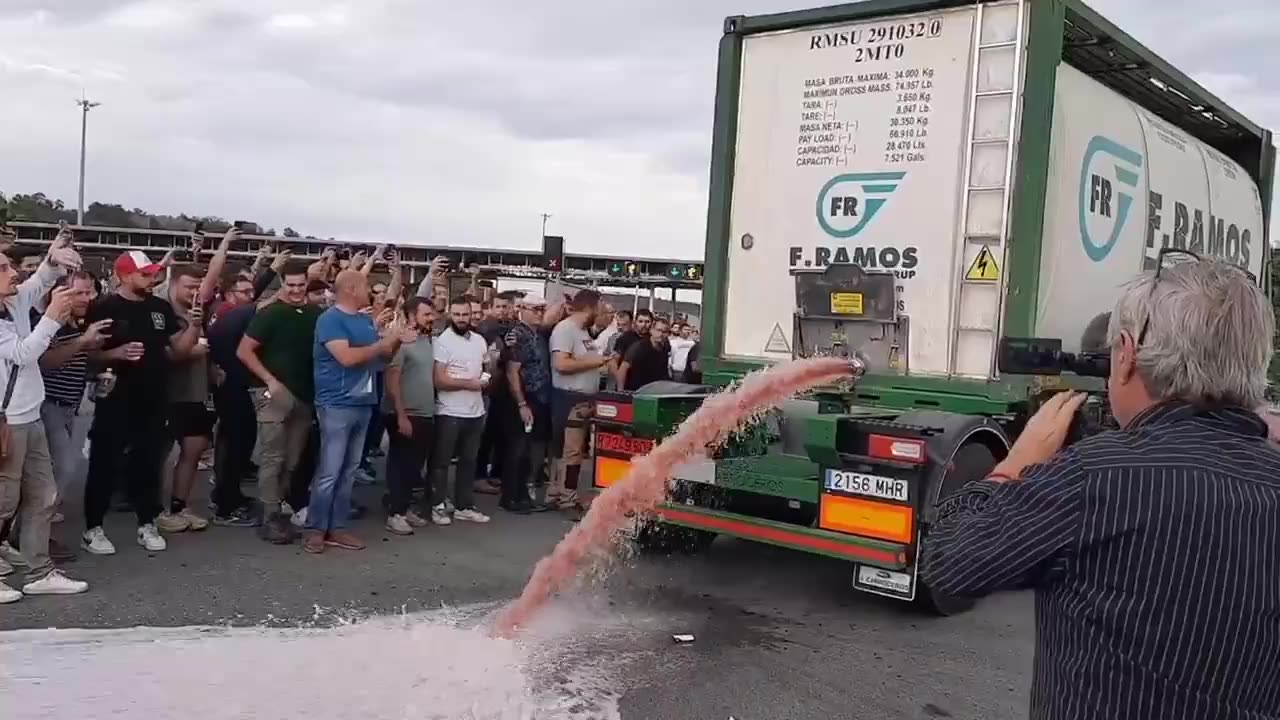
(292, 375)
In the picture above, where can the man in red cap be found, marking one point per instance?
(130, 419)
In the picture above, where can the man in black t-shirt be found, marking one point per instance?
(647, 361)
(238, 424)
(493, 451)
(639, 329)
(131, 419)
(693, 365)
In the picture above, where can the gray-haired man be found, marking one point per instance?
(1152, 549)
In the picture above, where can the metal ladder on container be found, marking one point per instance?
(994, 98)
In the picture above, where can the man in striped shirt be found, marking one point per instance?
(1154, 550)
(64, 367)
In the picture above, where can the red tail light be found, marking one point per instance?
(614, 412)
(885, 447)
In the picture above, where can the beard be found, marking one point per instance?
(462, 330)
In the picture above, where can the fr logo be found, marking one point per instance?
(1108, 181)
(847, 203)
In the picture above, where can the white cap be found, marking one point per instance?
(532, 300)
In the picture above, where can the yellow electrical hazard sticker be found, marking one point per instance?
(846, 303)
(984, 268)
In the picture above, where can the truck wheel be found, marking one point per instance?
(972, 462)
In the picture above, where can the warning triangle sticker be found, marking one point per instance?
(984, 268)
(777, 341)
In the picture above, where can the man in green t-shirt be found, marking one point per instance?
(277, 351)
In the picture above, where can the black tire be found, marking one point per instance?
(972, 462)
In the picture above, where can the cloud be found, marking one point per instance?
(435, 122)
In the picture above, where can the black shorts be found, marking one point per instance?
(190, 419)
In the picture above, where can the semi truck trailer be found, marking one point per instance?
(958, 190)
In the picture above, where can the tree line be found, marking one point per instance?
(38, 207)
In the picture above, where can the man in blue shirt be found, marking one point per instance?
(349, 348)
(529, 379)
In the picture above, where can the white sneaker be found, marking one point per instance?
(150, 539)
(5, 569)
(440, 515)
(470, 515)
(8, 595)
(299, 518)
(170, 523)
(11, 556)
(448, 506)
(415, 520)
(55, 583)
(95, 542)
(398, 525)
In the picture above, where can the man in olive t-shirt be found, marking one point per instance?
(276, 349)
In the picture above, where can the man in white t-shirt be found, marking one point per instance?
(462, 371)
(681, 344)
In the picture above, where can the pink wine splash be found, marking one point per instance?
(645, 485)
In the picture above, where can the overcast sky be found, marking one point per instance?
(440, 122)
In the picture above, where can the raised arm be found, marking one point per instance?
(28, 350)
(61, 258)
(182, 344)
(396, 285)
(427, 286)
(378, 254)
(209, 285)
(62, 353)
(320, 269)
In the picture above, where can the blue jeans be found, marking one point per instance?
(342, 431)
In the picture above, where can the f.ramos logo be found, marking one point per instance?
(1107, 170)
(847, 203)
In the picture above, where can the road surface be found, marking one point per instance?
(777, 635)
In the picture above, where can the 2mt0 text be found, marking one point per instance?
(878, 52)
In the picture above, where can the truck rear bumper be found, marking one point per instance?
(862, 550)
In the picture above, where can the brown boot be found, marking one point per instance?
(313, 541)
(345, 540)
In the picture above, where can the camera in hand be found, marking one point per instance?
(1093, 417)
(1045, 356)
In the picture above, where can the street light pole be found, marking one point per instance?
(545, 218)
(85, 107)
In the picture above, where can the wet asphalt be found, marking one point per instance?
(778, 634)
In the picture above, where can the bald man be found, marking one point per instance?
(348, 349)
